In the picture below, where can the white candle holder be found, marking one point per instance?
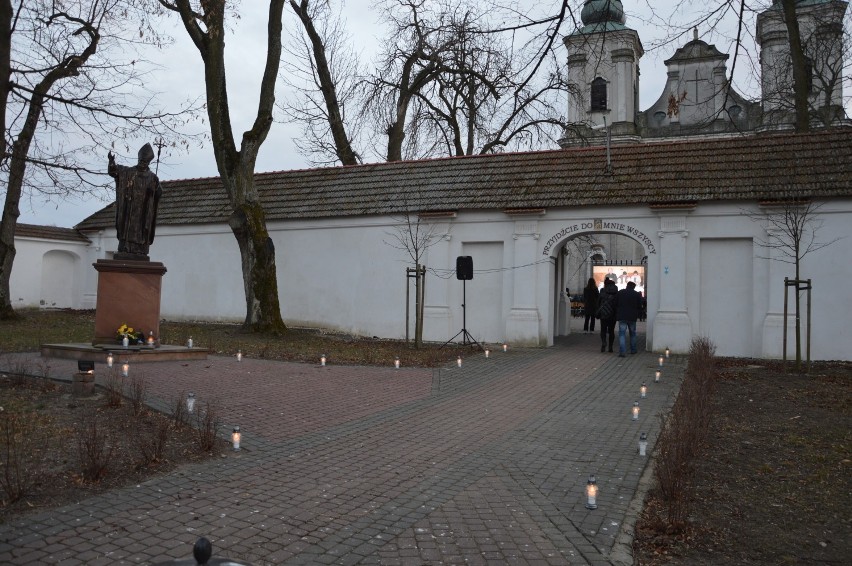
(110, 360)
(459, 361)
(635, 411)
(643, 444)
(190, 402)
(396, 362)
(591, 493)
(239, 355)
(125, 369)
(322, 360)
(236, 437)
(643, 390)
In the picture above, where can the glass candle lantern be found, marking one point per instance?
(668, 352)
(322, 360)
(657, 375)
(125, 369)
(643, 390)
(239, 355)
(661, 360)
(505, 347)
(591, 493)
(110, 360)
(190, 402)
(487, 352)
(635, 411)
(643, 444)
(396, 362)
(459, 361)
(189, 342)
(236, 437)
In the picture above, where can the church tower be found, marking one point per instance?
(821, 32)
(603, 75)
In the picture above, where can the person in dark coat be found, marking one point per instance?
(628, 306)
(606, 312)
(590, 305)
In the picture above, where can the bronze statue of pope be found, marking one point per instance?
(137, 195)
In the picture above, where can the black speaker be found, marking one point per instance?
(464, 268)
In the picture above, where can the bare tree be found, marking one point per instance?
(791, 228)
(445, 84)
(806, 78)
(415, 233)
(489, 95)
(204, 21)
(59, 79)
(333, 71)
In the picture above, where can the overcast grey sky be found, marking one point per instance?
(181, 77)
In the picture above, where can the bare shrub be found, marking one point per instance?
(137, 393)
(151, 442)
(95, 447)
(180, 414)
(207, 422)
(114, 388)
(22, 452)
(683, 431)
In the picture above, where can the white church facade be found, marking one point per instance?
(692, 209)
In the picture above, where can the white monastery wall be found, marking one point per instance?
(50, 274)
(706, 274)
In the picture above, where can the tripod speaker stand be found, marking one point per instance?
(464, 271)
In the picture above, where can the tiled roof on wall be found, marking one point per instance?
(49, 233)
(754, 167)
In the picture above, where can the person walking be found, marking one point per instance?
(606, 312)
(628, 304)
(590, 305)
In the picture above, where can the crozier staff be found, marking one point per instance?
(137, 194)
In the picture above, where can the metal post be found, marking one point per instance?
(809, 326)
(784, 346)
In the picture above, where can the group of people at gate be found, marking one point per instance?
(611, 305)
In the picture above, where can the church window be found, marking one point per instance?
(598, 95)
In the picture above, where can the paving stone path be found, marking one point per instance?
(483, 464)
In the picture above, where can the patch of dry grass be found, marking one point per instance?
(36, 327)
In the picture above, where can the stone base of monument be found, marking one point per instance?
(128, 293)
(134, 354)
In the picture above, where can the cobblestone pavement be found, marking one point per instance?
(482, 464)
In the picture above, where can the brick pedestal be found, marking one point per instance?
(128, 293)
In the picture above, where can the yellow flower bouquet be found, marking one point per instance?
(128, 332)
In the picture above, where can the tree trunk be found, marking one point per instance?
(800, 78)
(258, 263)
(419, 293)
(9, 218)
(7, 254)
(236, 168)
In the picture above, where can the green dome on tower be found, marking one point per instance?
(602, 12)
(602, 15)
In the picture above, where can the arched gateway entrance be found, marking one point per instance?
(597, 249)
